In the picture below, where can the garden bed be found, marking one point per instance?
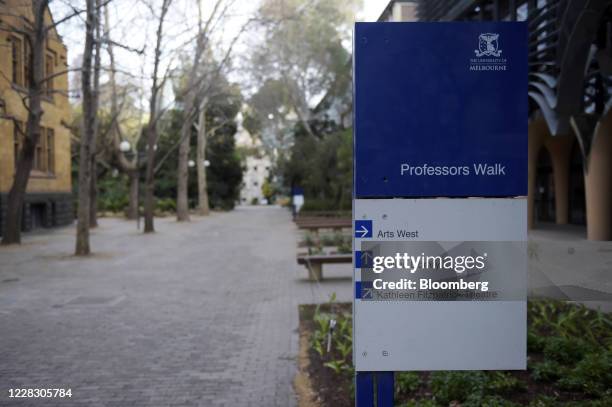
(569, 364)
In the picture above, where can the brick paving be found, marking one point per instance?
(199, 314)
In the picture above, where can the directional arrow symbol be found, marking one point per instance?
(363, 229)
(366, 259)
(363, 259)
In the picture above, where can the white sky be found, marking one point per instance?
(373, 8)
(134, 26)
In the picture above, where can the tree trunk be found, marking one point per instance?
(93, 193)
(182, 187)
(134, 185)
(203, 207)
(149, 204)
(93, 200)
(14, 211)
(193, 85)
(82, 236)
(149, 201)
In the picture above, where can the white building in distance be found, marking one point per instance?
(257, 167)
(257, 170)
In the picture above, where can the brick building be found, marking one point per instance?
(48, 200)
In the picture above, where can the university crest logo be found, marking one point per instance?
(488, 45)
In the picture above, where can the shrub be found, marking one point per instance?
(547, 371)
(606, 401)
(309, 239)
(503, 383)
(346, 247)
(488, 401)
(112, 193)
(406, 382)
(165, 205)
(592, 375)
(420, 403)
(566, 350)
(328, 240)
(457, 386)
(113, 203)
(557, 318)
(544, 401)
(535, 342)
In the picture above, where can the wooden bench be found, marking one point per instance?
(323, 214)
(314, 263)
(314, 224)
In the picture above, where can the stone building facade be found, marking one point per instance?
(49, 200)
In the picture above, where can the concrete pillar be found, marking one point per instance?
(537, 132)
(598, 183)
(560, 148)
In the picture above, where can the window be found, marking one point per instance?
(21, 57)
(27, 64)
(17, 60)
(44, 152)
(49, 68)
(50, 151)
(39, 151)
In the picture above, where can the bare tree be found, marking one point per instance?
(202, 86)
(203, 205)
(195, 82)
(129, 166)
(154, 114)
(88, 132)
(93, 189)
(35, 34)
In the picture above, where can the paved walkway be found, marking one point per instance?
(198, 314)
(564, 265)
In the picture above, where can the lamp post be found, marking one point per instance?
(126, 148)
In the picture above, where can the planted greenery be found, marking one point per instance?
(315, 243)
(546, 371)
(569, 363)
(333, 339)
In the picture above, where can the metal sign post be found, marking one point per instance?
(440, 209)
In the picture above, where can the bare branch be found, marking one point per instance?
(108, 41)
(75, 12)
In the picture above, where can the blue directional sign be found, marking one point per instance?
(440, 109)
(363, 229)
(363, 259)
(363, 289)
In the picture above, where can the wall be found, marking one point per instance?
(56, 111)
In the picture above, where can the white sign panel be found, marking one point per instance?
(440, 284)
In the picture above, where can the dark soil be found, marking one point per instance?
(331, 389)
